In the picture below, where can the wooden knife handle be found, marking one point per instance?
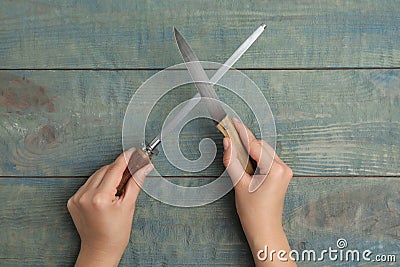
(227, 128)
(138, 159)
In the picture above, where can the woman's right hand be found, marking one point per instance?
(260, 212)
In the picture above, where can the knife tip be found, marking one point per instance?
(177, 34)
(262, 25)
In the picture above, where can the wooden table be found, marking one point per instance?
(330, 71)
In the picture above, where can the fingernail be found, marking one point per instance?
(226, 143)
(235, 119)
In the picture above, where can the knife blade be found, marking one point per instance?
(215, 109)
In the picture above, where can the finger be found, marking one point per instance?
(262, 156)
(95, 179)
(270, 150)
(249, 140)
(278, 159)
(259, 151)
(281, 174)
(91, 182)
(232, 163)
(133, 186)
(114, 173)
(256, 181)
(245, 134)
(264, 160)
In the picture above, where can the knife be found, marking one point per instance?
(141, 157)
(214, 107)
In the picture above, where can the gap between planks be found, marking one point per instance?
(201, 177)
(159, 69)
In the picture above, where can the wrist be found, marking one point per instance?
(265, 236)
(270, 248)
(91, 256)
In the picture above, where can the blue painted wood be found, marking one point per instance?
(138, 34)
(318, 211)
(333, 118)
(344, 122)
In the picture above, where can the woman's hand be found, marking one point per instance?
(104, 221)
(260, 212)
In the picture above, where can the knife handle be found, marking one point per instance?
(139, 159)
(227, 128)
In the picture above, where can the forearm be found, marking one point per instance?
(90, 257)
(270, 247)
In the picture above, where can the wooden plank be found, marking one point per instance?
(328, 122)
(38, 231)
(138, 34)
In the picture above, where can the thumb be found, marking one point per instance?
(233, 165)
(133, 186)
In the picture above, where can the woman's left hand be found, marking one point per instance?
(103, 220)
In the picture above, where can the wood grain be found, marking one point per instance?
(364, 211)
(138, 34)
(330, 73)
(335, 123)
